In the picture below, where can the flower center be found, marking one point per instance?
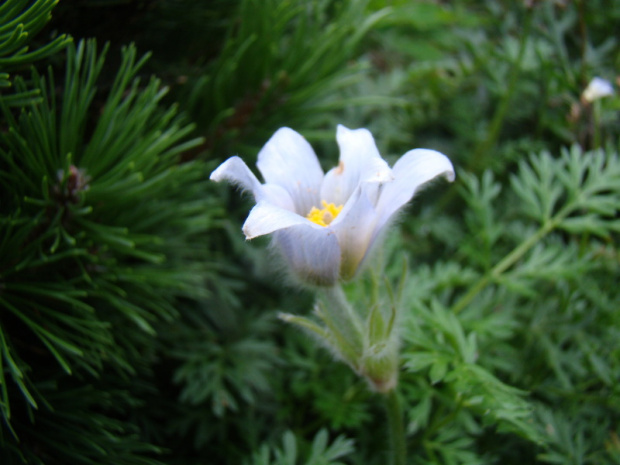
(324, 216)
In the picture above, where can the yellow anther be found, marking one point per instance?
(324, 216)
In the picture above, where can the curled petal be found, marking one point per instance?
(289, 161)
(313, 254)
(235, 171)
(266, 218)
(411, 171)
(360, 161)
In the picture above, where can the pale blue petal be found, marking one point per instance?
(360, 161)
(313, 254)
(354, 228)
(277, 196)
(411, 172)
(266, 218)
(288, 160)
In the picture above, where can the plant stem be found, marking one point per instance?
(396, 430)
(481, 153)
(510, 259)
(596, 124)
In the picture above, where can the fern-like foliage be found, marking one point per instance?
(226, 365)
(508, 337)
(320, 452)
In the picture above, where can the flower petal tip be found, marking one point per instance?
(227, 169)
(216, 174)
(235, 171)
(342, 129)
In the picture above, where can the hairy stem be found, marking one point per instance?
(396, 430)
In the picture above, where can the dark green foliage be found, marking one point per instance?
(82, 423)
(320, 452)
(533, 312)
(282, 63)
(97, 220)
(137, 326)
(20, 20)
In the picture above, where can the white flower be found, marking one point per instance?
(597, 88)
(325, 224)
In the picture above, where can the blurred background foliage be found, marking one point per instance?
(138, 327)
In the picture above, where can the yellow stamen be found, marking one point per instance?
(324, 216)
